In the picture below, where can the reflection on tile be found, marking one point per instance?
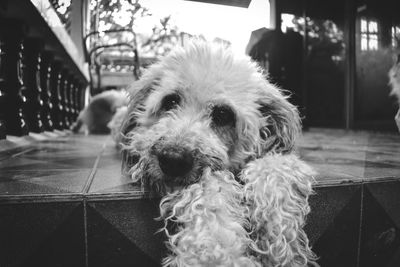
(122, 233)
(111, 157)
(383, 157)
(42, 234)
(30, 164)
(111, 181)
(5, 154)
(21, 174)
(56, 166)
(108, 177)
(340, 155)
(23, 182)
(26, 188)
(333, 154)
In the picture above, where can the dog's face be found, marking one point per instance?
(202, 107)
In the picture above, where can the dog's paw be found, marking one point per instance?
(276, 189)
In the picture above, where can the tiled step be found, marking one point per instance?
(63, 202)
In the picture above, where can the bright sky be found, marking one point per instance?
(230, 23)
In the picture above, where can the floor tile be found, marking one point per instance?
(25, 182)
(344, 156)
(108, 177)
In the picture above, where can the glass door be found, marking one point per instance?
(377, 44)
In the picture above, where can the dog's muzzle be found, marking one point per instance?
(175, 161)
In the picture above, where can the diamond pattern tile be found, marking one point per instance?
(333, 225)
(123, 233)
(380, 242)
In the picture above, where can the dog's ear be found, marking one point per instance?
(139, 92)
(396, 58)
(280, 121)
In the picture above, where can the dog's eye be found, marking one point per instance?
(170, 101)
(223, 116)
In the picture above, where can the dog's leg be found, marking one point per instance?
(276, 189)
(116, 123)
(77, 125)
(210, 222)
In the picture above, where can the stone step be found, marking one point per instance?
(63, 202)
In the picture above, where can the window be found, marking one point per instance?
(395, 36)
(369, 34)
(290, 21)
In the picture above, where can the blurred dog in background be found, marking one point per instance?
(96, 117)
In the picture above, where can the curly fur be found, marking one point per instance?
(394, 79)
(245, 198)
(276, 190)
(394, 82)
(211, 222)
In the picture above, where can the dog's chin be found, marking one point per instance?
(177, 184)
(171, 188)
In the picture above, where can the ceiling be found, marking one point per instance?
(237, 3)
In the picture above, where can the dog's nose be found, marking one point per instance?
(175, 161)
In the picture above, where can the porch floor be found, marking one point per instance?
(63, 202)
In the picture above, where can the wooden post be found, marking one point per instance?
(350, 39)
(78, 14)
(274, 15)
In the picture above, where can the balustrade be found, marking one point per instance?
(42, 78)
(3, 130)
(13, 94)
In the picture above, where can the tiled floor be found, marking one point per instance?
(63, 202)
(341, 156)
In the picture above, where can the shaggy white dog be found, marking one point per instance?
(206, 131)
